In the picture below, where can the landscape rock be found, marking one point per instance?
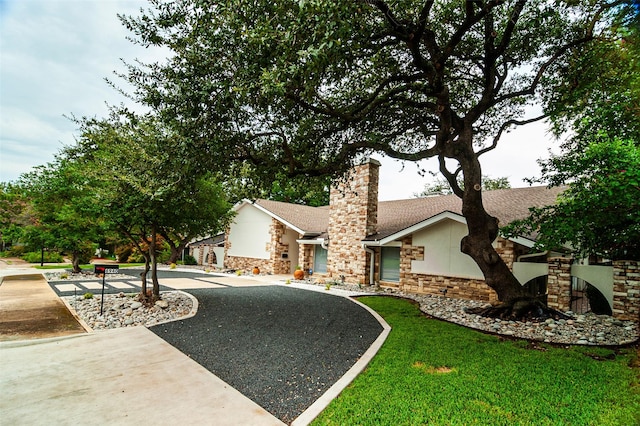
(176, 304)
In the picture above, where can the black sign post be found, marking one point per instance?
(104, 270)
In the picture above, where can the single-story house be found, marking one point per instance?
(412, 245)
(208, 251)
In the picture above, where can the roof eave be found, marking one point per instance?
(417, 227)
(278, 218)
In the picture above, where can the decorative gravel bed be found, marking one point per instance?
(123, 310)
(581, 329)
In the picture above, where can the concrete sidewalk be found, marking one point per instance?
(124, 376)
(30, 309)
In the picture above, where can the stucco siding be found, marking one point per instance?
(249, 234)
(289, 238)
(442, 255)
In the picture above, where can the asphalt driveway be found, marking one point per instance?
(280, 346)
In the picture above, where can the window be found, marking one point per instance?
(390, 264)
(320, 259)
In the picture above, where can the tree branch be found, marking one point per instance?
(504, 127)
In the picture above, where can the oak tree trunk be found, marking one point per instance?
(483, 231)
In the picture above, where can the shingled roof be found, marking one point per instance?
(311, 220)
(505, 204)
(395, 216)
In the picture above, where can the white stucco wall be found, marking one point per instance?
(290, 236)
(442, 255)
(219, 251)
(249, 233)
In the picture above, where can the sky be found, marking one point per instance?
(56, 54)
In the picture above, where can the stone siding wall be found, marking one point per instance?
(509, 251)
(353, 216)
(559, 283)
(277, 247)
(246, 264)
(626, 290)
(456, 287)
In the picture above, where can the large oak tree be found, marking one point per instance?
(312, 86)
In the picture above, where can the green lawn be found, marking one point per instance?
(436, 373)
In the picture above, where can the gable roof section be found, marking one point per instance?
(507, 205)
(304, 219)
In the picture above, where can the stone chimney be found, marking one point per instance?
(353, 215)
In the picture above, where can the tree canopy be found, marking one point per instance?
(600, 160)
(65, 212)
(599, 213)
(310, 87)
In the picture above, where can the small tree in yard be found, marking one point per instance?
(15, 214)
(63, 205)
(147, 187)
(311, 87)
(187, 214)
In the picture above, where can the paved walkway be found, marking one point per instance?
(29, 309)
(123, 376)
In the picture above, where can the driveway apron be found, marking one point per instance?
(282, 347)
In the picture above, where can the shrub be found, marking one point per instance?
(163, 256)
(16, 251)
(135, 257)
(190, 260)
(123, 253)
(88, 296)
(86, 254)
(49, 257)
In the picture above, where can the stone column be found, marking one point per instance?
(626, 290)
(353, 215)
(559, 283)
(201, 254)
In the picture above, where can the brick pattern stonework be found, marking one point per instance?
(353, 216)
(305, 256)
(559, 283)
(509, 251)
(201, 255)
(202, 249)
(626, 290)
(456, 287)
(277, 247)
